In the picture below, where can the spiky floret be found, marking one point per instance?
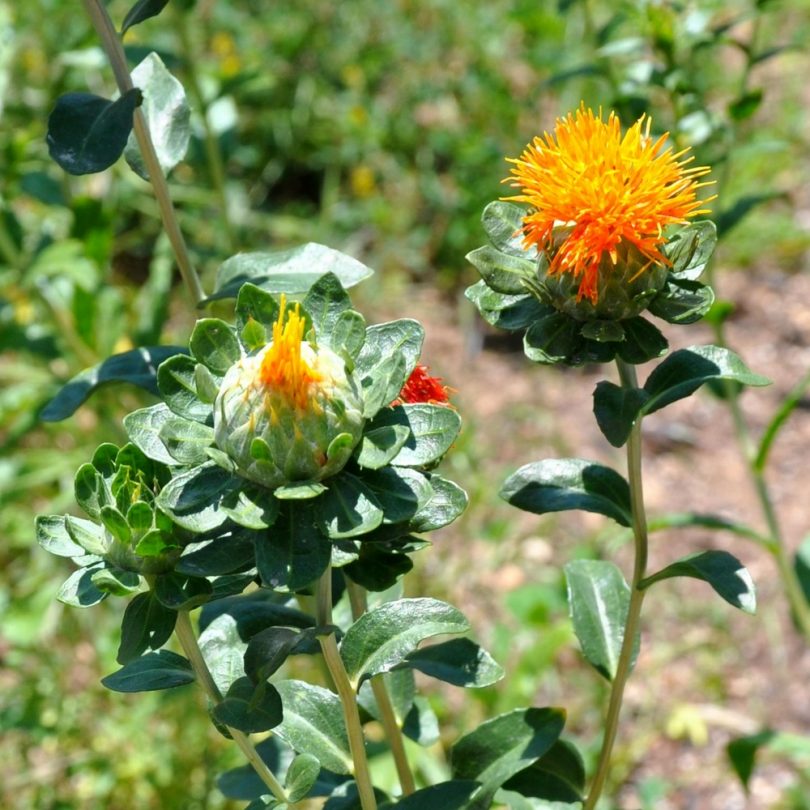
(594, 191)
(421, 386)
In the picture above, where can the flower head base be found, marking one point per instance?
(600, 198)
(422, 387)
(292, 412)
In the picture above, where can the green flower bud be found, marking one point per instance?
(291, 413)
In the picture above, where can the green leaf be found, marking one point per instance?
(348, 334)
(249, 708)
(143, 429)
(616, 409)
(642, 341)
(348, 508)
(288, 271)
(146, 624)
(79, 590)
(155, 670)
(137, 367)
(213, 342)
(381, 639)
(380, 442)
(186, 441)
(557, 485)
(680, 520)
(223, 649)
(294, 553)
(511, 312)
(142, 10)
(167, 116)
(599, 599)
(253, 507)
(682, 301)
(180, 591)
(227, 553)
(325, 301)
(193, 499)
(503, 222)
(400, 492)
(552, 338)
(451, 795)
(116, 581)
(603, 331)
(557, 776)
(255, 304)
(88, 535)
(313, 724)
(789, 403)
(268, 650)
(433, 430)
(299, 492)
(745, 105)
(446, 503)
(503, 746)
(53, 536)
(177, 381)
(459, 661)
(301, 776)
(690, 248)
(253, 612)
(723, 571)
(503, 272)
(743, 752)
(685, 370)
(88, 133)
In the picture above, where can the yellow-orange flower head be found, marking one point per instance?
(291, 412)
(594, 191)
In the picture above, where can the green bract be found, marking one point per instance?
(517, 293)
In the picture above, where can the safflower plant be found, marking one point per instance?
(275, 494)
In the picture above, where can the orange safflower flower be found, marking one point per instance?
(422, 387)
(593, 190)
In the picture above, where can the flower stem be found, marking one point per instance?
(351, 715)
(111, 44)
(627, 374)
(188, 641)
(393, 732)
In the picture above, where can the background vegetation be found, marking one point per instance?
(379, 129)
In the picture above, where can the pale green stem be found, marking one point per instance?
(188, 641)
(111, 44)
(393, 732)
(346, 693)
(212, 152)
(627, 374)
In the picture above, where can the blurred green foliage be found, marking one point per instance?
(377, 128)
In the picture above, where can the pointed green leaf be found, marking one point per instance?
(723, 571)
(155, 670)
(503, 746)
(447, 502)
(186, 441)
(301, 776)
(268, 650)
(167, 116)
(313, 724)
(143, 429)
(381, 639)
(213, 342)
(503, 272)
(682, 301)
(552, 338)
(348, 334)
(79, 590)
(88, 535)
(451, 795)
(248, 707)
(299, 492)
(137, 367)
(503, 222)
(255, 304)
(180, 591)
(642, 341)
(142, 10)
(348, 508)
(616, 410)
(253, 507)
(177, 381)
(380, 443)
(743, 752)
(53, 536)
(511, 312)
(288, 271)
(433, 430)
(223, 649)
(90, 490)
(325, 301)
(146, 624)
(556, 485)
(690, 249)
(599, 599)
(193, 499)
(399, 492)
(88, 133)
(459, 661)
(294, 552)
(228, 552)
(685, 370)
(557, 776)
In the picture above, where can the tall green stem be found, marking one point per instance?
(393, 732)
(188, 641)
(627, 374)
(348, 699)
(111, 44)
